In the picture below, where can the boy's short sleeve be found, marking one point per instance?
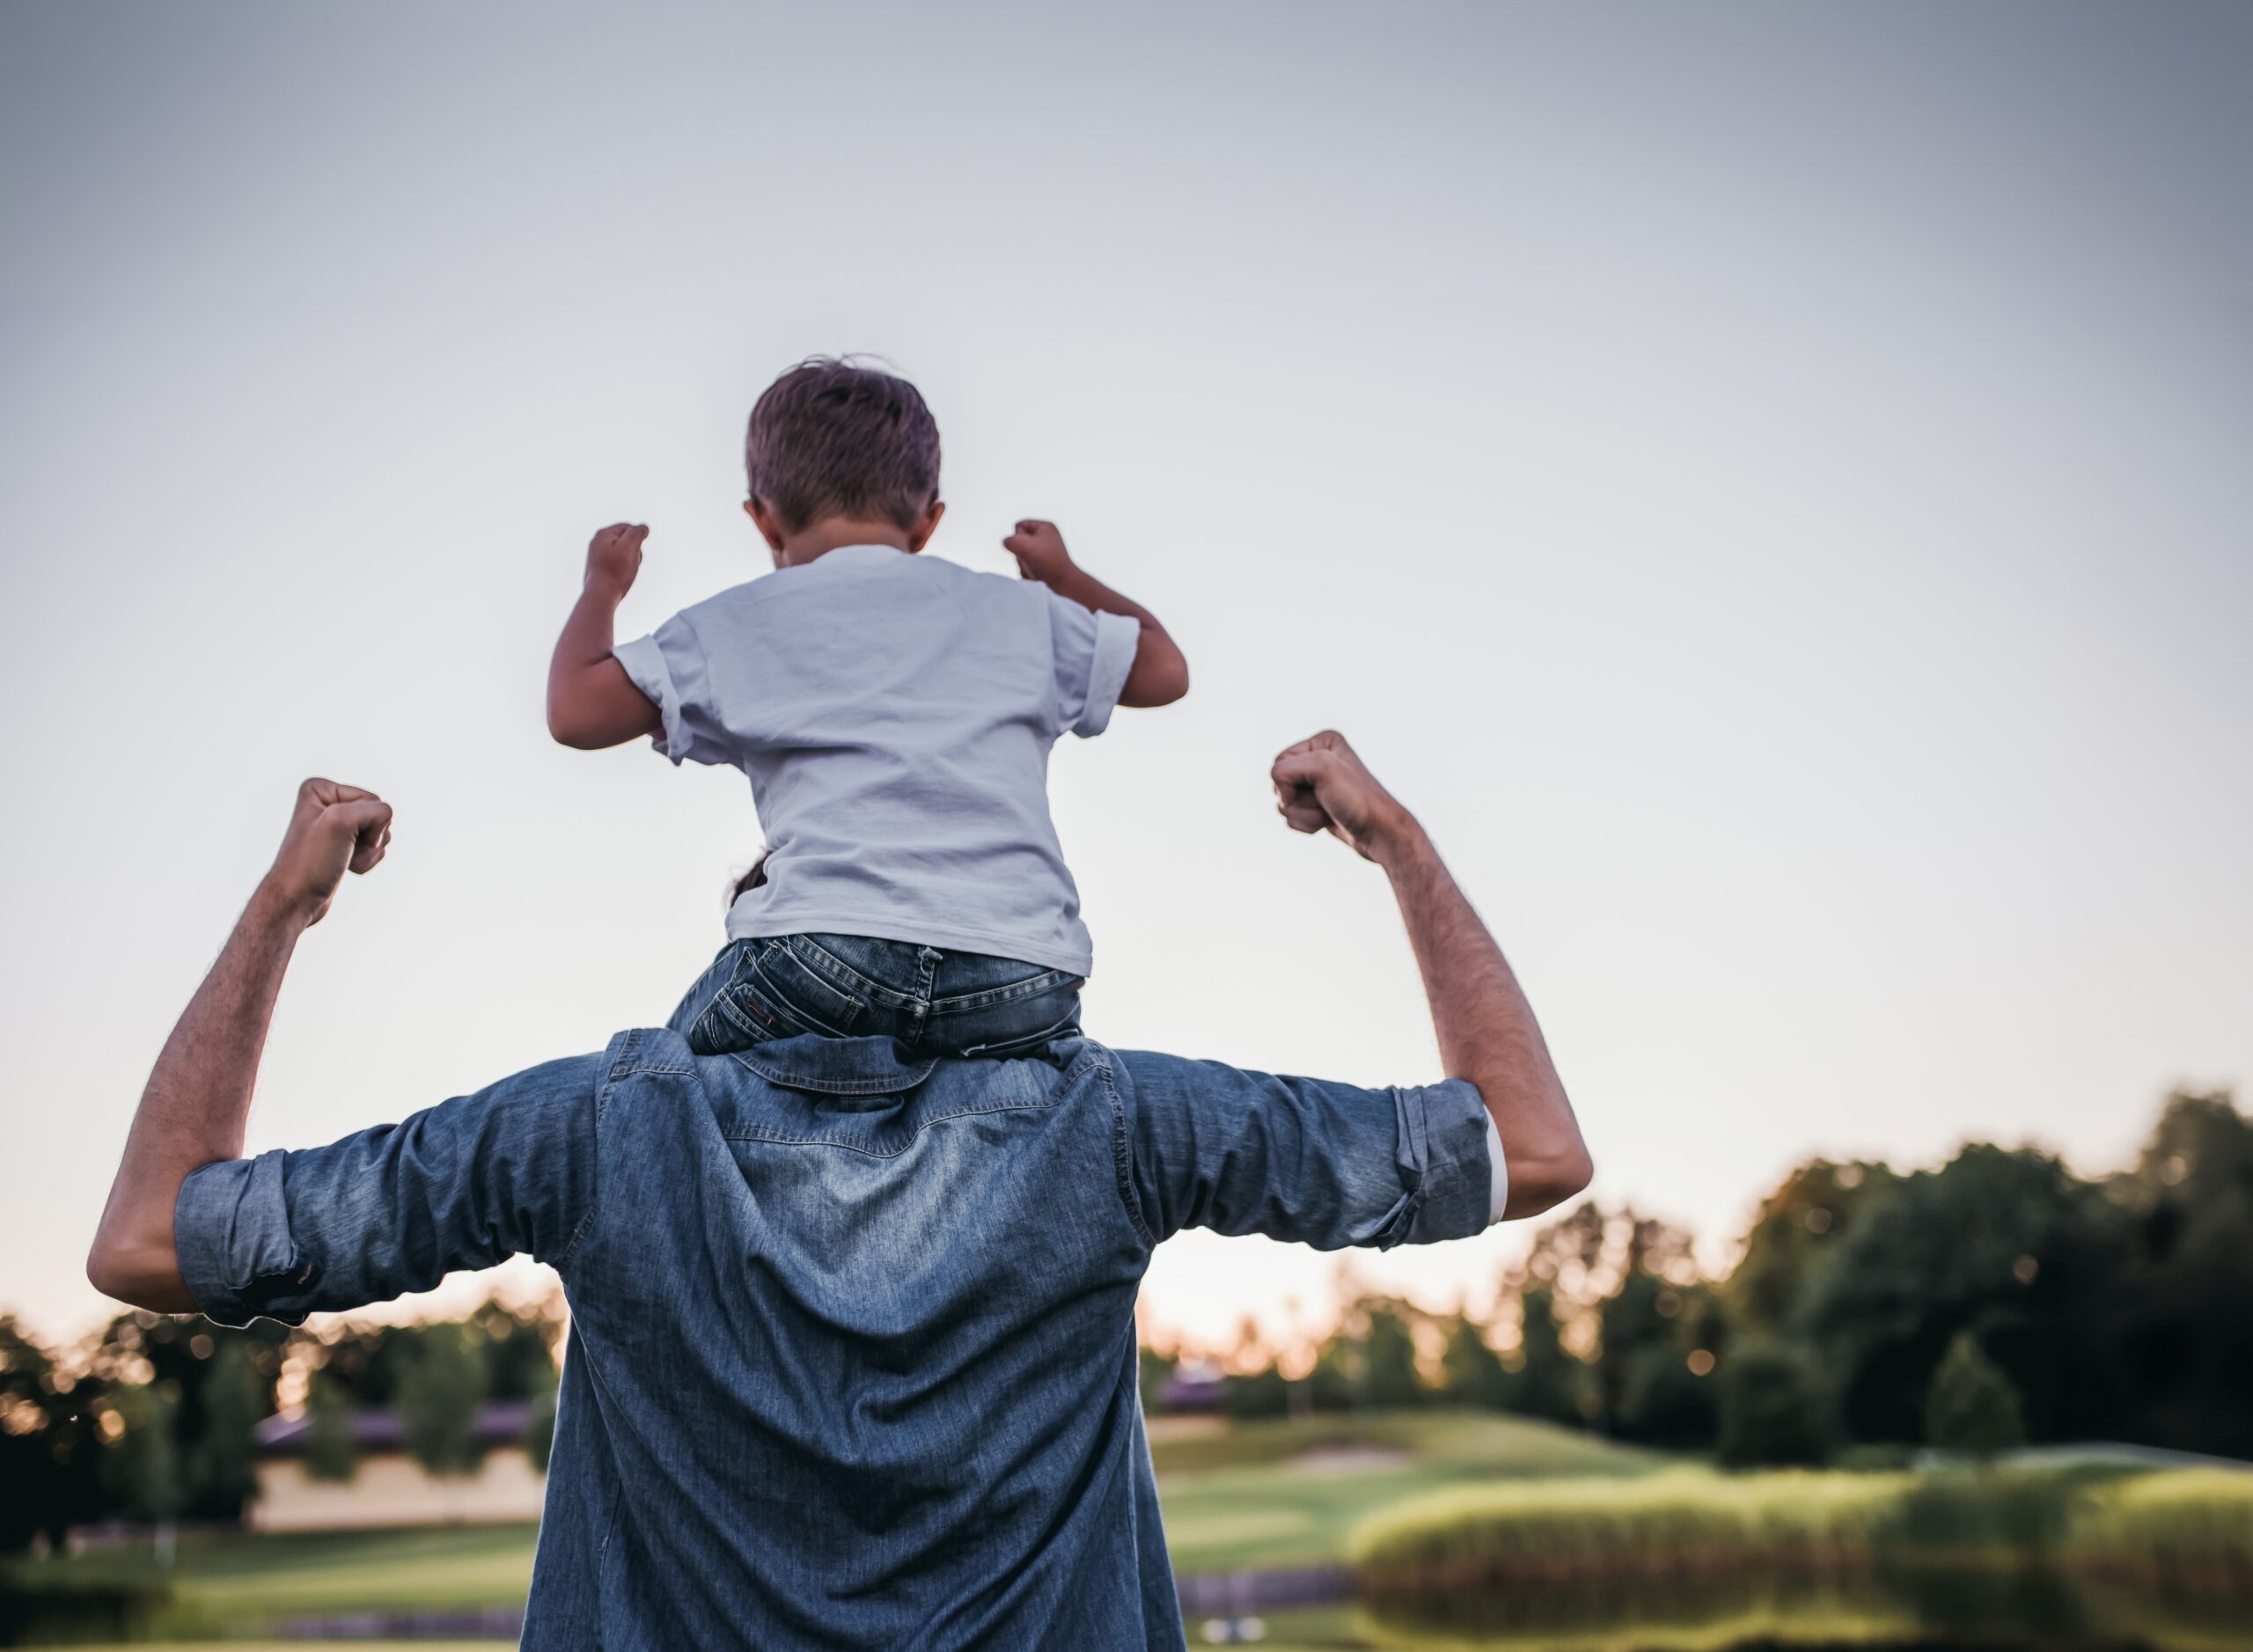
(1093, 652)
(668, 666)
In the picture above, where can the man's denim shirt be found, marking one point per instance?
(851, 1351)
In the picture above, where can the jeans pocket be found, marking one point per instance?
(776, 987)
(1012, 1027)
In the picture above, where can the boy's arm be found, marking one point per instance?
(592, 702)
(1160, 674)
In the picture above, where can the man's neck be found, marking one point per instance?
(819, 538)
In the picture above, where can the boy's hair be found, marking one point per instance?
(832, 439)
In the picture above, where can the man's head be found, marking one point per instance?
(837, 452)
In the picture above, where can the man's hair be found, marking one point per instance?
(833, 439)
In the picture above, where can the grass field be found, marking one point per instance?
(1252, 1496)
(1287, 1494)
(1431, 1488)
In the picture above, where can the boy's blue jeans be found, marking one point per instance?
(933, 1002)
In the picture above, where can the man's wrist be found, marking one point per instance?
(1398, 841)
(275, 908)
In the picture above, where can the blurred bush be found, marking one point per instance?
(2190, 1528)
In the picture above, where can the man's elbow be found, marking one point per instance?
(124, 1271)
(1542, 1185)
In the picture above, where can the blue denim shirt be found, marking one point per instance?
(851, 1351)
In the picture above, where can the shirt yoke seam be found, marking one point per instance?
(765, 1133)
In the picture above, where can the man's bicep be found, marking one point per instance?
(1302, 1159)
(464, 1185)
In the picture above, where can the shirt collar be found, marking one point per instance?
(847, 555)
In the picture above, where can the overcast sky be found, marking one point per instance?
(1769, 485)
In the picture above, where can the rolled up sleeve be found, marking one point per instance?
(668, 667)
(464, 1185)
(231, 1228)
(1093, 653)
(1302, 1159)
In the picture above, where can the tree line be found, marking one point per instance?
(1997, 1300)
(156, 1422)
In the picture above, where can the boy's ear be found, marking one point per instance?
(920, 535)
(769, 530)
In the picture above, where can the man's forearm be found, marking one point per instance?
(1488, 1034)
(194, 1110)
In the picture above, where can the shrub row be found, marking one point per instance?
(2180, 1527)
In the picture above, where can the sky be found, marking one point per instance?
(1767, 485)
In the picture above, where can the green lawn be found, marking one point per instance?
(1270, 1494)
(1252, 1496)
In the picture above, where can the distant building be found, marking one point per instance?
(390, 1488)
(1195, 1385)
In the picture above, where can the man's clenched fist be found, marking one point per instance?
(1321, 786)
(334, 829)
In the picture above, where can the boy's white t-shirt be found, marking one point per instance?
(894, 713)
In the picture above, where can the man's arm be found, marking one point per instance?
(592, 702)
(1160, 675)
(193, 1112)
(1487, 1035)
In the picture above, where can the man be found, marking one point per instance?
(852, 1356)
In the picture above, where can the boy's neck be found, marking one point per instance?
(819, 538)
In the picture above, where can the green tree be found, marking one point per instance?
(1800, 1227)
(519, 1351)
(1340, 1371)
(141, 1468)
(223, 1464)
(332, 1447)
(1153, 1371)
(1771, 1412)
(50, 1454)
(1391, 1381)
(440, 1394)
(1546, 1382)
(1971, 1408)
(1265, 1392)
(540, 1431)
(2006, 1244)
(2184, 1327)
(1475, 1375)
(540, 1423)
(1666, 1401)
(224, 1382)
(1636, 1320)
